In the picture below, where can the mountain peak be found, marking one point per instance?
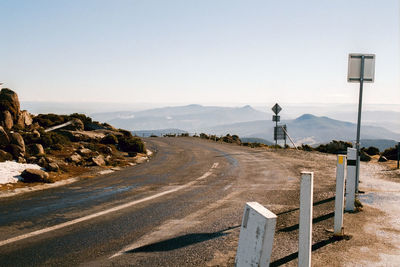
(306, 117)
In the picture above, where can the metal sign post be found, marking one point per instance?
(361, 69)
(398, 154)
(276, 109)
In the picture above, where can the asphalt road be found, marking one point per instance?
(182, 208)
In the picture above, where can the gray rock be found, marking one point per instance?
(4, 139)
(85, 151)
(382, 159)
(75, 158)
(34, 175)
(53, 167)
(99, 160)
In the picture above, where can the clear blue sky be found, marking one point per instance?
(188, 51)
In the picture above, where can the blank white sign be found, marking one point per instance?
(354, 71)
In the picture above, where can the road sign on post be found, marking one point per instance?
(361, 69)
(276, 109)
(279, 132)
(276, 118)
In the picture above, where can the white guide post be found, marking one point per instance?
(339, 198)
(305, 225)
(256, 236)
(351, 178)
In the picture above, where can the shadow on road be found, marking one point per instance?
(181, 241)
(315, 220)
(316, 246)
(314, 204)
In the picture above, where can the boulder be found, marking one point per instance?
(31, 159)
(16, 139)
(4, 156)
(21, 160)
(77, 125)
(75, 158)
(9, 101)
(382, 159)
(16, 151)
(42, 162)
(34, 175)
(85, 151)
(4, 139)
(36, 133)
(26, 117)
(99, 160)
(36, 149)
(6, 119)
(53, 167)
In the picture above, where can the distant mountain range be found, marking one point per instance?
(191, 118)
(243, 121)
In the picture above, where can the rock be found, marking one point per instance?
(364, 156)
(75, 158)
(99, 160)
(107, 150)
(21, 160)
(9, 101)
(32, 159)
(36, 149)
(26, 117)
(16, 151)
(17, 140)
(85, 151)
(4, 156)
(53, 167)
(77, 125)
(42, 162)
(382, 159)
(6, 120)
(4, 139)
(36, 133)
(34, 175)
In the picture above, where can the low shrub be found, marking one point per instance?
(132, 144)
(390, 153)
(109, 139)
(372, 151)
(334, 147)
(50, 139)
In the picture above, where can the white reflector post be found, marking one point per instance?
(351, 178)
(256, 236)
(305, 225)
(339, 197)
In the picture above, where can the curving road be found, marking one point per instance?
(182, 208)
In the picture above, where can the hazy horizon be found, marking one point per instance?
(198, 51)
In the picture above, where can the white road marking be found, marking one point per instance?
(101, 213)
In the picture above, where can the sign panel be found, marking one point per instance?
(276, 118)
(354, 69)
(276, 109)
(279, 133)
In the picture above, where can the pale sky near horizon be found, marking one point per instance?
(204, 52)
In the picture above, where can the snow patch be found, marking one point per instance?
(10, 171)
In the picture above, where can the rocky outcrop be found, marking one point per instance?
(24, 119)
(16, 139)
(75, 158)
(34, 175)
(9, 101)
(4, 156)
(36, 150)
(99, 160)
(6, 120)
(4, 139)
